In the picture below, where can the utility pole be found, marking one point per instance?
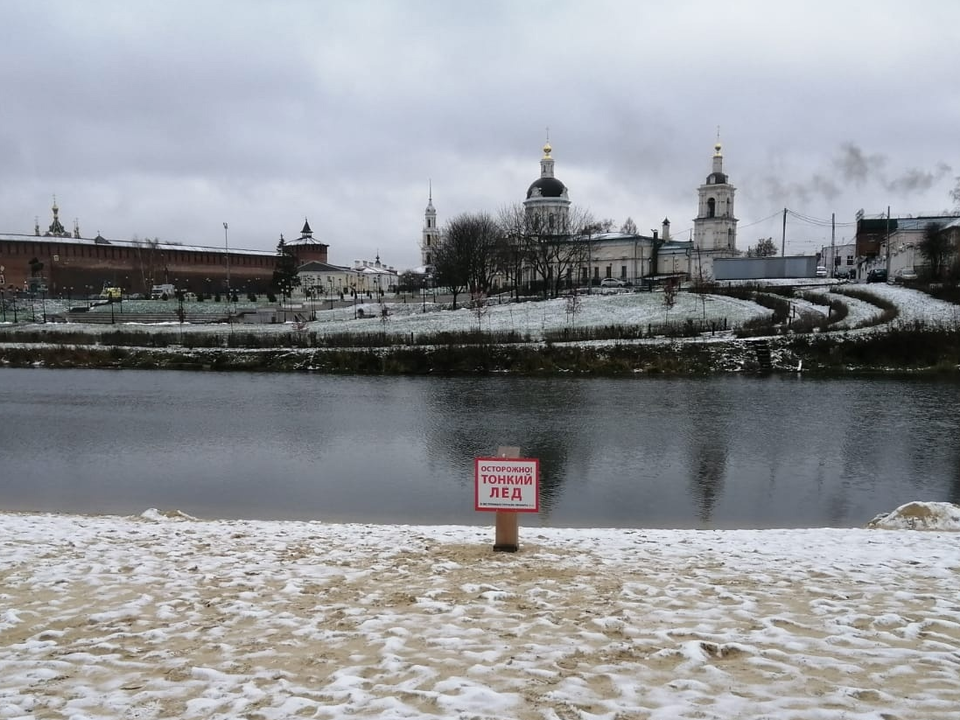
(888, 239)
(783, 236)
(833, 243)
(226, 247)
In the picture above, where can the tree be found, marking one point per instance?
(955, 195)
(285, 271)
(764, 248)
(935, 248)
(147, 254)
(411, 281)
(555, 253)
(513, 245)
(467, 256)
(629, 227)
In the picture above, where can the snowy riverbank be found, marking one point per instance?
(170, 617)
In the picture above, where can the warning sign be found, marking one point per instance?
(507, 484)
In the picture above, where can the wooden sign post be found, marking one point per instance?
(508, 485)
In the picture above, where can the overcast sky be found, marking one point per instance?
(167, 119)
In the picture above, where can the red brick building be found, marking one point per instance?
(68, 265)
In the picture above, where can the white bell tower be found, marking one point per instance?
(715, 227)
(431, 233)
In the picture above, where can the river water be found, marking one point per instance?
(728, 451)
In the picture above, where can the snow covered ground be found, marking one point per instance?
(915, 306)
(598, 309)
(535, 318)
(163, 616)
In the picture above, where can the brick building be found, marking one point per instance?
(65, 264)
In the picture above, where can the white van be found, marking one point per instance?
(162, 292)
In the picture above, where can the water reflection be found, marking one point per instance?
(727, 451)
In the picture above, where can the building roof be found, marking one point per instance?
(546, 187)
(306, 240)
(99, 240)
(316, 266)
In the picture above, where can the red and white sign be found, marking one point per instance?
(507, 484)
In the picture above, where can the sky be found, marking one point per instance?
(169, 119)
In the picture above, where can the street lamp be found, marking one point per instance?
(226, 247)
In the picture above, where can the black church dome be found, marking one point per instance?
(548, 187)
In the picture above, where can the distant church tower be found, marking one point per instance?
(547, 203)
(431, 233)
(56, 227)
(715, 227)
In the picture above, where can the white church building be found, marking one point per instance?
(633, 258)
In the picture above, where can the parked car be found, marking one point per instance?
(905, 275)
(612, 283)
(877, 275)
(821, 271)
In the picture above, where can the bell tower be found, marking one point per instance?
(430, 237)
(715, 227)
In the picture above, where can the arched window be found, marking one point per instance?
(711, 208)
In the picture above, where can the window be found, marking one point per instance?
(711, 208)
(849, 259)
(623, 272)
(596, 273)
(609, 271)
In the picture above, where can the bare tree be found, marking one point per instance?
(514, 246)
(629, 227)
(467, 255)
(147, 254)
(935, 248)
(555, 252)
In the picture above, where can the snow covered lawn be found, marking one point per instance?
(165, 617)
(915, 306)
(527, 317)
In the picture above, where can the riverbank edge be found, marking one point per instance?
(906, 350)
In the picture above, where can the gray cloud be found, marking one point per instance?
(856, 166)
(166, 119)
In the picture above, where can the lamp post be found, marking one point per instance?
(226, 247)
(3, 304)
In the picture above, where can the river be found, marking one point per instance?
(717, 452)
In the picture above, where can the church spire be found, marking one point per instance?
(718, 155)
(56, 228)
(546, 162)
(431, 233)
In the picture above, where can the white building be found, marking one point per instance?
(839, 260)
(715, 227)
(628, 257)
(547, 204)
(430, 237)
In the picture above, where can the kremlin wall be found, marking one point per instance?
(61, 263)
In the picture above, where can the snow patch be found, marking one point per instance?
(920, 516)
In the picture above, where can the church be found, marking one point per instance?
(630, 258)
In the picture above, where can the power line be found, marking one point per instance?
(757, 222)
